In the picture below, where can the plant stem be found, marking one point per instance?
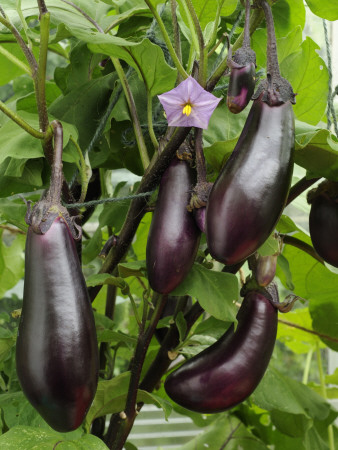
(307, 330)
(300, 187)
(23, 22)
(255, 19)
(298, 243)
(90, 19)
(24, 47)
(200, 160)
(22, 123)
(246, 31)
(166, 38)
(324, 394)
(15, 60)
(307, 366)
(177, 39)
(203, 56)
(40, 79)
(132, 109)
(150, 120)
(56, 175)
(272, 59)
(83, 171)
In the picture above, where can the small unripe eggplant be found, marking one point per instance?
(250, 193)
(227, 372)
(323, 226)
(265, 269)
(173, 236)
(241, 87)
(56, 354)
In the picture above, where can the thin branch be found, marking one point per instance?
(57, 175)
(307, 330)
(85, 15)
(300, 187)
(22, 123)
(298, 243)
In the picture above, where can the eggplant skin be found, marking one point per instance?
(323, 226)
(56, 353)
(227, 372)
(241, 87)
(265, 270)
(250, 192)
(174, 236)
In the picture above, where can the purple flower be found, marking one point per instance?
(188, 105)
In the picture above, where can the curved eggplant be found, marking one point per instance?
(241, 87)
(323, 225)
(249, 194)
(173, 236)
(56, 354)
(228, 371)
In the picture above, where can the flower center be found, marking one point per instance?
(187, 109)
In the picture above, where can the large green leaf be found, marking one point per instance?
(308, 75)
(215, 291)
(11, 262)
(316, 283)
(287, 15)
(29, 438)
(282, 393)
(327, 9)
(316, 151)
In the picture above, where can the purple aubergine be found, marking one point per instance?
(173, 236)
(265, 269)
(250, 193)
(227, 372)
(241, 87)
(57, 354)
(323, 224)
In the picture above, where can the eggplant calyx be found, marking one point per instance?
(327, 188)
(275, 91)
(44, 213)
(184, 152)
(241, 58)
(270, 292)
(199, 195)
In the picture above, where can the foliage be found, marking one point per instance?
(107, 61)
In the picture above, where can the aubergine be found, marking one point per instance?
(323, 226)
(250, 192)
(241, 86)
(227, 372)
(57, 353)
(173, 236)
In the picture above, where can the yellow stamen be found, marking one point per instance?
(187, 109)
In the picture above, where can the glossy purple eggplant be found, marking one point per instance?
(249, 194)
(241, 87)
(173, 236)
(57, 354)
(323, 225)
(228, 371)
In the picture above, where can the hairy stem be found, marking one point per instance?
(150, 120)
(246, 31)
(272, 59)
(40, 79)
(200, 160)
(177, 38)
(57, 175)
(83, 169)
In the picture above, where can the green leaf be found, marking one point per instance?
(310, 82)
(146, 58)
(282, 393)
(104, 278)
(11, 262)
(115, 336)
(270, 246)
(226, 430)
(132, 269)
(299, 341)
(327, 10)
(215, 291)
(9, 70)
(316, 283)
(29, 438)
(316, 151)
(295, 425)
(288, 14)
(92, 247)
